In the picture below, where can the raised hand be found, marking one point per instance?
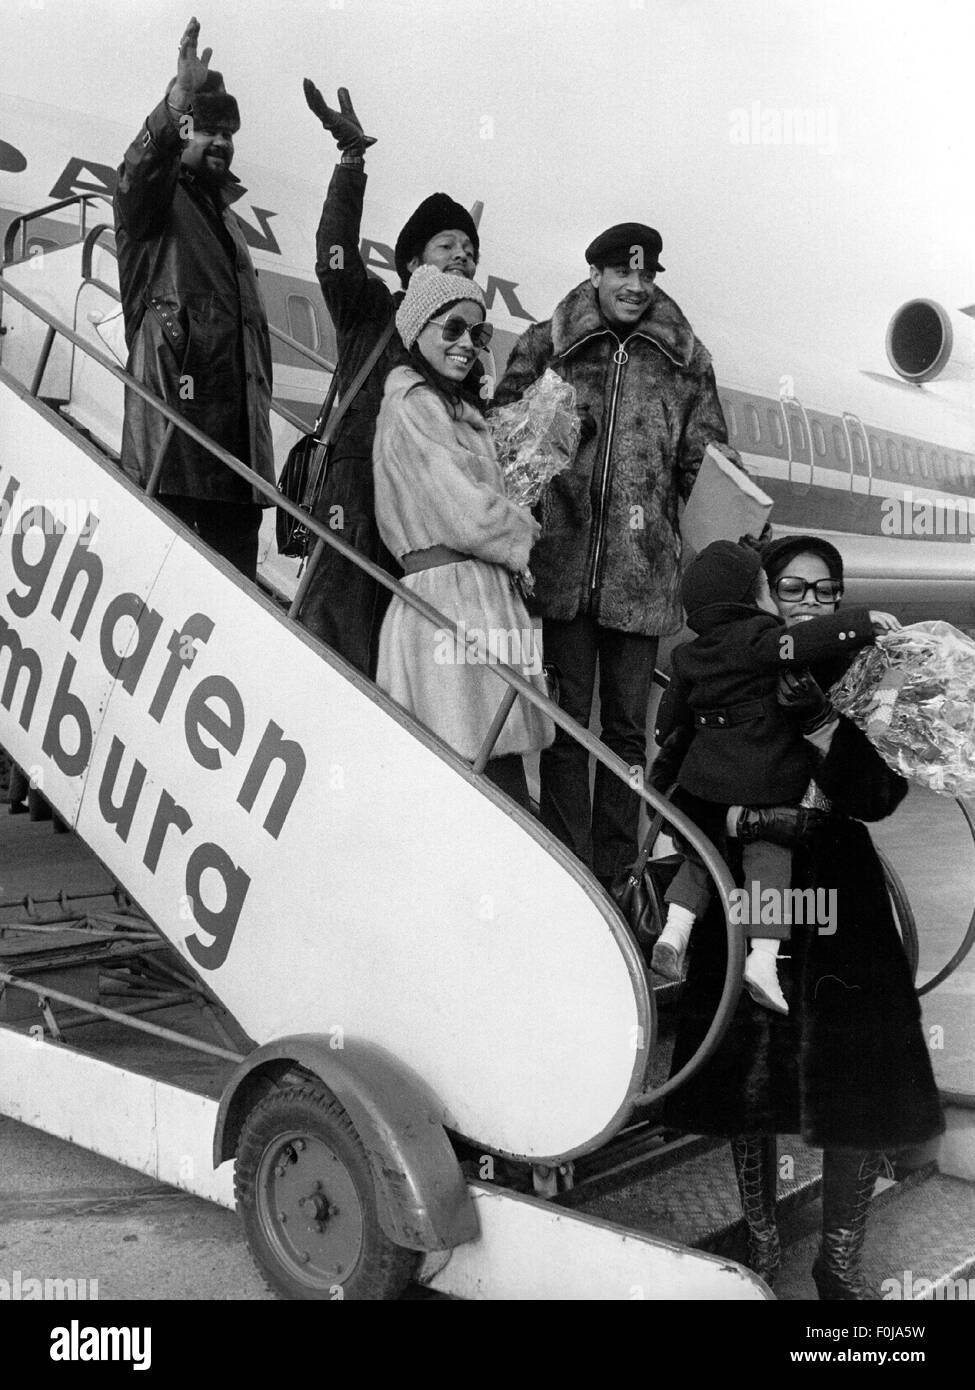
(191, 71)
(343, 124)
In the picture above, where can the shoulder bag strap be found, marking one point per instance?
(327, 403)
(653, 830)
(335, 418)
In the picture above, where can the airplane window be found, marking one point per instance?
(839, 443)
(937, 465)
(775, 425)
(893, 456)
(909, 459)
(876, 458)
(303, 322)
(819, 438)
(798, 434)
(859, 453)
(751, 414)
(922, 460)
(731, 419)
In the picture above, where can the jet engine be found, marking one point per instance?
(927, 342)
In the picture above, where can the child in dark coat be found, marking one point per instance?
(745, 751)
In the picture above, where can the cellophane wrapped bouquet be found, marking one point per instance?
(536, 437)
(913, 695)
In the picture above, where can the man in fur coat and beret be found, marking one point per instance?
(194, 320)
(607, 563)
(343, 606)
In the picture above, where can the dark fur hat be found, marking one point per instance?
(438, 213)
(214, 107)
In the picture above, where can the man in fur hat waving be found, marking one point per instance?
(194, 320)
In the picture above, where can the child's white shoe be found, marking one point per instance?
(668, 955)
(762, 981)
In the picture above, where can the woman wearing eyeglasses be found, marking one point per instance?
(847, 1069)
(442, 511)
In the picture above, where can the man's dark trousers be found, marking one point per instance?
(229, 528)
(602, 830)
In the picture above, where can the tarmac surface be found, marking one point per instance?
(67, 1214)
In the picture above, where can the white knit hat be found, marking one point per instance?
(429, 290)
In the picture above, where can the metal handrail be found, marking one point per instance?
(87, 250)
(306, 351)
(968, 940)
(712, 861)
(20, 222)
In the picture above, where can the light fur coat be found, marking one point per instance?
(438, 482)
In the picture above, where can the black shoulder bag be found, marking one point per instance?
(639, 891)
(303, 475)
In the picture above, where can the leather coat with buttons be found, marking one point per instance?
(745, 750)
(195, 324)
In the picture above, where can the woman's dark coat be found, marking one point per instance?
(344, 607)
(848, 1067)
(609, 522)
(194, 322)
(745, 750)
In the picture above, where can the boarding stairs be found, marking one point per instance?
(210, 809)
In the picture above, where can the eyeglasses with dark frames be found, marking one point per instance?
(792, 588)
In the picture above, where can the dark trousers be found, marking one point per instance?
(508, 774)
(601, 830)
(229, 528)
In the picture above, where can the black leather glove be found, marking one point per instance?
(344, 124)
(758, 542)
(781, 825)
(666, 765)
(801, 697)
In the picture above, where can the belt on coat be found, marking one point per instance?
(431, 558)
(731, 715)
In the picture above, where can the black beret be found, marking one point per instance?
(438, 213)
(778, 554)
(620, 240)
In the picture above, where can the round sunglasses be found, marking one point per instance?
(454, 328)
(794, 589)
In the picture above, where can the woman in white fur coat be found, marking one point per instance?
(442, 511)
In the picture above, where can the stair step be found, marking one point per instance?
(695, 1202)
(920, 1243)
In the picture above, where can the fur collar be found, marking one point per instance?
(578, 317)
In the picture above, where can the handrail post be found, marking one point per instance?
(305, 580)
(42, 361)
(493, 733)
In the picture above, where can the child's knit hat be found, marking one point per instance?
(428, 291)
(723, 573)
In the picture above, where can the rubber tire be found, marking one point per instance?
(383, 1269)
